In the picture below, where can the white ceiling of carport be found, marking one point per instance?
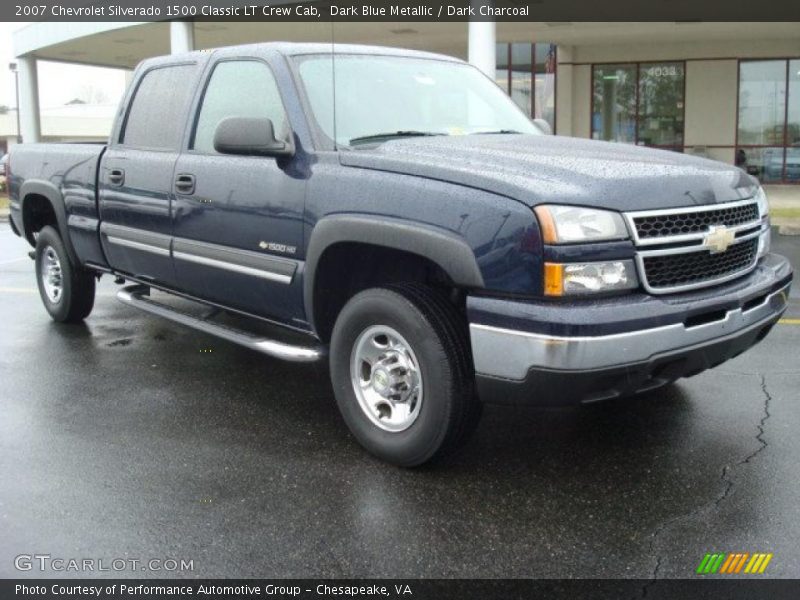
(125, 47)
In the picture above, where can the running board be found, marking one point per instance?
(136, 296)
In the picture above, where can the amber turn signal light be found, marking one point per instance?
(553, 279)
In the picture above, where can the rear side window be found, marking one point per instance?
(158, 111)
(238, 88)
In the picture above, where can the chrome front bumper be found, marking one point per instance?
(512, 355)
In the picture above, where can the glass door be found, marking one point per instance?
(639, 103)
(660, 105)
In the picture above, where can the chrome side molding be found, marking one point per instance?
(137, 239)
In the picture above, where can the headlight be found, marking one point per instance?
(763, 205)
(588, 278)
(570, 224)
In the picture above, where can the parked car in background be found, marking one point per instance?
(793, 163)
(774, 164)
(3, 174)
(419, 232)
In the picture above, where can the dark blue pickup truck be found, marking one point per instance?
(395, 213)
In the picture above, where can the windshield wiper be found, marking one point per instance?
(392, 134)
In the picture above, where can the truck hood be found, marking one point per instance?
(538, 169)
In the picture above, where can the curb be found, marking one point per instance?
(789, 229)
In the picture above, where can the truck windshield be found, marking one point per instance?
(378, 98)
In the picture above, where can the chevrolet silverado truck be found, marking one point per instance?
(396, 214)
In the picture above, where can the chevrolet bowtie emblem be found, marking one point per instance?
(718, 238)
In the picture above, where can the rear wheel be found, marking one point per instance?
(402, 373)
(67, 292)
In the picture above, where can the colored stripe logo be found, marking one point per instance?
(733, 563)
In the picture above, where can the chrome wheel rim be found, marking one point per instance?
(386, 378)
(52, 278)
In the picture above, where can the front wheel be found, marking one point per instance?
(67, 292)
(402, 373)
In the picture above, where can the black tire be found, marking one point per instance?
(76, 298)
(449, 409)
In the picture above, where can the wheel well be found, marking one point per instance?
(346, 268)
(37, 213)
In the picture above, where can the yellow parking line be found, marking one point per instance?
(789, 321)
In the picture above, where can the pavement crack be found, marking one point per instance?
(764, 419)
(724, 479)
(759, 437)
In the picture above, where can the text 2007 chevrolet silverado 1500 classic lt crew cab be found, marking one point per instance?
(399, 213)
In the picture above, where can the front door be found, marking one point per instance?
(237, 220)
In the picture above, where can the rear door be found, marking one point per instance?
(136, 173)
(238, 219)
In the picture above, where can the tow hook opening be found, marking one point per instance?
(705, 318)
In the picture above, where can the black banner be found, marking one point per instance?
(731, 588)
(398, 10)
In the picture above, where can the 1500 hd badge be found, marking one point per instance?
(280, 248)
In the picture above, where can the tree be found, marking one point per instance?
(91, 94)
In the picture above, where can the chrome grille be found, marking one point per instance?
(673, 270)
(682, 223)
(671, 251)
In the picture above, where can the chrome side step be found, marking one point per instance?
(136, 296)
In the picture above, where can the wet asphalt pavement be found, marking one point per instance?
(131, 437)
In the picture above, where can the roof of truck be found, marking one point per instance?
(293, 49)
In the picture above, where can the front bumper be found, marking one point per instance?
(555, 354)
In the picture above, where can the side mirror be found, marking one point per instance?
(544, 126)
(250, 137)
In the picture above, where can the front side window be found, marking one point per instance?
(157, 112)
(241, 88)
(378, 95)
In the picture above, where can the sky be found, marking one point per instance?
(59, 82)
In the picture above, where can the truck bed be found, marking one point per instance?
(66, 173)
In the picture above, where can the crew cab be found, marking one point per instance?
(395, 213)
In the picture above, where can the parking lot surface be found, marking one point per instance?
(131, 437)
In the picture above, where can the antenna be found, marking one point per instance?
(333, 76)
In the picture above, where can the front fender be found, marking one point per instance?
(444, 248)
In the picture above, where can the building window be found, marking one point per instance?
(639, 103)
(527, 72)
(768, 131)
